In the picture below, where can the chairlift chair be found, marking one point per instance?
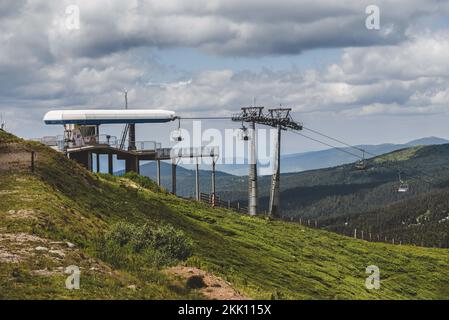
(361, 164)
(403, 186)
(244, 134)
(176, 135)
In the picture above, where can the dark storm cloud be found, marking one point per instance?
(236, 28)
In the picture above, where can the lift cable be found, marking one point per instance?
(326, 144)
(358, 148)
(363, 150)
(387, 165)
(204, 118)
(336, 140)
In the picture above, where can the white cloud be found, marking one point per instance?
(406, 79)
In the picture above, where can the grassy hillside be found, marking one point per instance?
(345, 190)
(423, 220)
(61, 202)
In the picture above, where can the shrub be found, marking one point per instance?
(132, 246)
(143, 181)
(121, 234)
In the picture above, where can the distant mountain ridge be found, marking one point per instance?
(231, 180)
(312, 160)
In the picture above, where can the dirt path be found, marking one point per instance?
(215, 288)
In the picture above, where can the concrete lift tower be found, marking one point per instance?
(281, 119)
(251, 115)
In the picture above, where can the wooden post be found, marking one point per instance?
(355, 233)
(32, 161)
(213, 195)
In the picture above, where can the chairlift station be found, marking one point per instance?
(82, 139)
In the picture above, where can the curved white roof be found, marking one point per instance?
(101, 116)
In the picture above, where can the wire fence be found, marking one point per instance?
(218, 202)
(362, 234)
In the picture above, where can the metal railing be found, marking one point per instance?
(103, 139)
(195, 152)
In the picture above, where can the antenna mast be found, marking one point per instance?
(132, 129)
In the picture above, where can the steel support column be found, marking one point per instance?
(173, 177)
(197, 181)
(98, 162)
(158, 172)
(110, 164)
(252, 174)
(274, 210)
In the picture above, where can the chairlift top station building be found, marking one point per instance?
(82, 139)
(82, 135)
(98, 117)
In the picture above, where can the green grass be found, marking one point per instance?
(399, 155)
(262, 258)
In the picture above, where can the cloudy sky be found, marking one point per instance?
(211, 57)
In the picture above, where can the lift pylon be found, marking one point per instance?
(281, 119)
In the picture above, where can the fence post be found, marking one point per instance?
(32, 161)
(355, 233)
(229, 204)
